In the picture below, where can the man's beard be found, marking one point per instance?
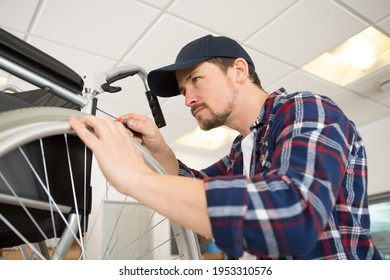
(216, 120)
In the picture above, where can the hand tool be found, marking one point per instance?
(124, 122)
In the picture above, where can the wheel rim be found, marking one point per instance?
(23, 126)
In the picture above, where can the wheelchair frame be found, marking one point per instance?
(32, 65)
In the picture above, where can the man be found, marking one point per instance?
(294, 184)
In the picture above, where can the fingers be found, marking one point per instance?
(124, 132)
(138, 123)
(136, 117)
(84, 133)
(105, 130)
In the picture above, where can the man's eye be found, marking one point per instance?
(195, 79)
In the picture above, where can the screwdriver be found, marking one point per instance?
(124, 122)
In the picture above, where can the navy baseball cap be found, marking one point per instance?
(162, 81)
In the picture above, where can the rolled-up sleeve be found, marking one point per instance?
(227, 201)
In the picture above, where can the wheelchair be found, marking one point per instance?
(48, 204)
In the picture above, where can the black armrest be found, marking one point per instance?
(31, 58)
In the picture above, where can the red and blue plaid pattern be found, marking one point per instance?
(306, 196)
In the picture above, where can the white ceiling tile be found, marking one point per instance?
(369, 86)
(84, 62)
(12, 15)
(301, 81)
(159, 4)
(115, 108)
(268, 69)
(131, 96)
(307, 30)
(236, 19)
(385, 100)
(176, 128)
(373, 10)
(175, 107)
(107, 28)
(385, 25)
(160, 46)
(351, 103)
(358, 108)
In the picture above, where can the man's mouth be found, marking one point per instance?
(195, 110)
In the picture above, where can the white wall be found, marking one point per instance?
(376, 137)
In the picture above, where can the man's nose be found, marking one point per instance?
(190, 98)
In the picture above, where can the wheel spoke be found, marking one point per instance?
(62, 223)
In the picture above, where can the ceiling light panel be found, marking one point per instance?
(355, 58)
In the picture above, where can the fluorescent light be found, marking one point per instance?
(209, 140)
(360, 55)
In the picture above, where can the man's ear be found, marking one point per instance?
(242, 69)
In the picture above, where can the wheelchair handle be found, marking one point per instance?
(126, 71)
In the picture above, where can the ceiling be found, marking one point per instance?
(280, 35)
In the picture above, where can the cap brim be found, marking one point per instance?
(162, 82)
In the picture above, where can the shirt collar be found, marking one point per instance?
(263, 117)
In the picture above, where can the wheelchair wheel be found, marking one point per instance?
(49, 209)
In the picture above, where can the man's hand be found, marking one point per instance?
(151, 138)
(178, 198)
(119, 160)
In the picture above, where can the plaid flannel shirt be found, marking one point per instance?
(306, 196)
